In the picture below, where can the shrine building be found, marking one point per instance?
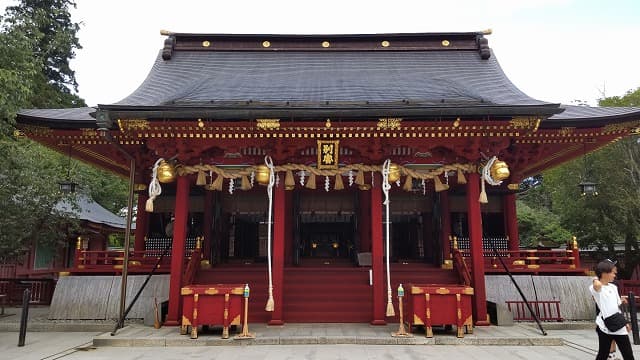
(325, 170)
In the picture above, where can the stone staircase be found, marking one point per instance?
(332, 293)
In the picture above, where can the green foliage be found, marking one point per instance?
(631, 98)
(28, 200)
(37, 40)
(17, 71)
(602, 222)
(116, 240)
(55, 41)
(539, 224)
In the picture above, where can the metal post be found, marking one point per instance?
(534, 314)
(26, 297)
(631, 300)
(127, 235)
(127, 244)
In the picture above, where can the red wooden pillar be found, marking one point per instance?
(364, 219)
(377, 254)
(511, 221)
(177, 251)
(474, 216)
(207, 225)
(445, 220)
(288, 238)
(277, 261)
(142, 221)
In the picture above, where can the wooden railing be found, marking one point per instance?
(626, 286)
(461, 267)
(110, 261)
(7, 271)
(113, 260)
(521, 260)
(41, 290)
(193, 265)
(530, 261)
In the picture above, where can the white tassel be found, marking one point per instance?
(154, 187)
(302, 175)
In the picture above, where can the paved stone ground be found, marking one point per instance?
(291, 341)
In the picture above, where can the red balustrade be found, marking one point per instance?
(531, 261)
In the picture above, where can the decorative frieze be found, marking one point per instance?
(133, 125)
(389, 123)
(627, 125)
(268, 124)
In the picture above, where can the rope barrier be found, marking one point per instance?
(385, 189)
(269, 162)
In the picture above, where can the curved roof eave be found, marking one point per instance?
(312, 111)
(69, 118)
(587, 116)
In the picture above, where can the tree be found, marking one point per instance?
(55, 40)
(17, 71)
(37, 40)
(613, 217)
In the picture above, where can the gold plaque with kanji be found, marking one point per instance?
(328, 154)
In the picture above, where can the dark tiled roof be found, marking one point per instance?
(426, 78)
(233, 76)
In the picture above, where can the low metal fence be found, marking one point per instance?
(548, 310)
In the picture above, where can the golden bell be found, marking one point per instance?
(499, 170)
(262, 174)
(166, 172)
(394, 173)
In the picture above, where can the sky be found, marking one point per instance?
(553, 50)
